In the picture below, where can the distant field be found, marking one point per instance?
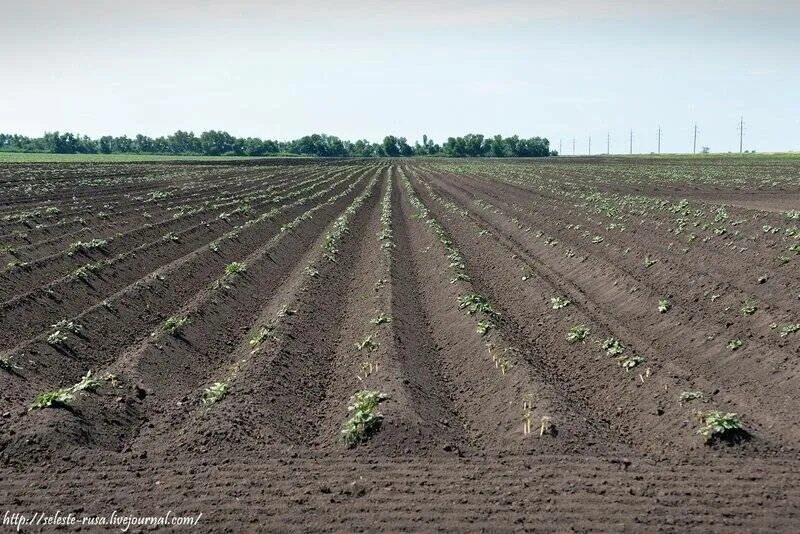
(25, 157)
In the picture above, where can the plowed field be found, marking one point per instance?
(548, 340)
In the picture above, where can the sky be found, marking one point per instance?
(283, 69)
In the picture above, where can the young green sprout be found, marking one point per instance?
(735, 344)
(7, 365)
(483, 327)
(285, 311)
(577, 333)
(264, 332)
(234, 268)
(612, 346)
(57, 338)
(65, 395)
(365, 419)
(174, 325)
(749, 307)
(70, 326)
(215, 392)
(59, 397)
(716, 424)
(382, 318)
(474, 302)
(83, 246)
(630, 361)
(90, 268)
(687, 396)
(367, 344)
(88, 383)
(789, 329)
(664, 306)
(559, 302)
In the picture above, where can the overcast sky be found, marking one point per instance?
(282, 69)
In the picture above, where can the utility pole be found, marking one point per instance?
(659, 139)
(631, 142)
(694, 143)
(590, 145)
(573, 146)
(741, 132)
(559, 147)
(608, 143)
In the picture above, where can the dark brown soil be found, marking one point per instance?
(622, 452)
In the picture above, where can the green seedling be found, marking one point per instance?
(629, 362)
(7, 365)
(215, 392)
(285, 311)
(83, 246)
(382, 318)
(8, 249)
(264, 332)
(735, 344)
(749, 307)
(174, 325)
(577, 333)
(59, 397)
(716, 424)
(688, 396)
(70, 326)
(474, 302)
(235, 268)
(88, 383)
(612, 346)
(367, 344)
(365, 419)
(483, 327)
(789, 329)
(64, 396)
(57, 338)
(664, 306)
(88, 269)
(559, 302)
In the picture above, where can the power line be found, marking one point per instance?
(741, 132)
(659, 139)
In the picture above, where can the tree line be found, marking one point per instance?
(219, 143)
